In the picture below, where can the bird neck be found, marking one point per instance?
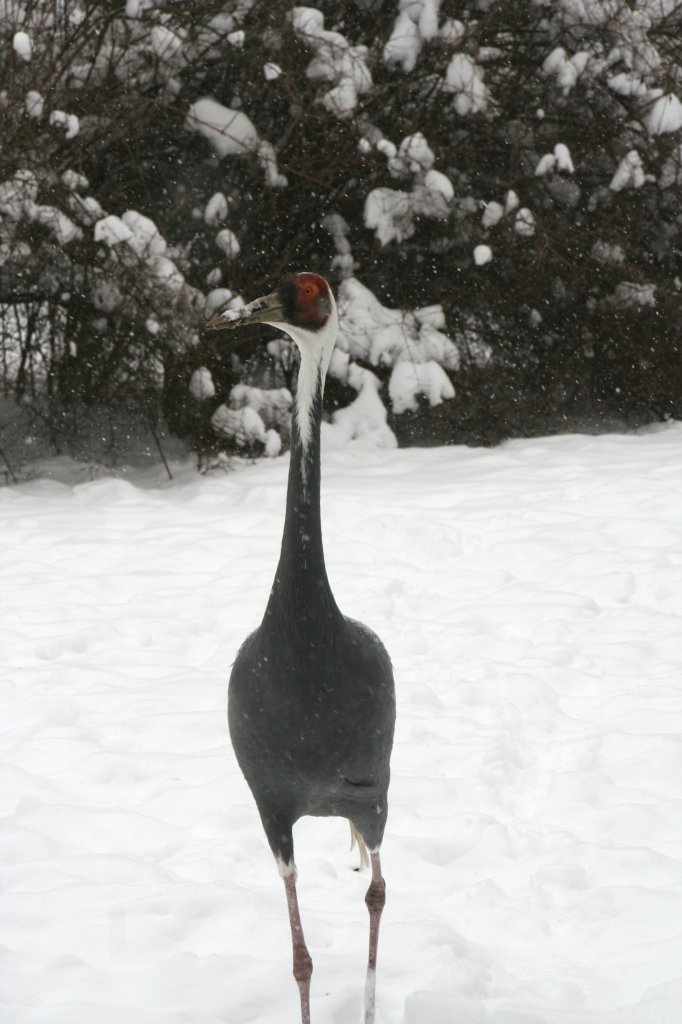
(301, 588)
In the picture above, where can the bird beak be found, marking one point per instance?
(266, 310)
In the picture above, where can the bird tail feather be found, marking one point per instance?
(356, 838)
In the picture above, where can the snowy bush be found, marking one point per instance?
(494, 189)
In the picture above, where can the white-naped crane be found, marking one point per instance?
(311, 704)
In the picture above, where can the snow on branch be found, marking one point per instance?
(231, 133)
(409, 380)
(411, 344)
(254, 415)
(559, 160)
(391, 213)
(665, 115)
(417, 23)
(335, 61)
(464, 78)
(361, 424)
(566, 70)
(630, 173)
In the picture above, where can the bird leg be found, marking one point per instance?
(303, 965)
(375, 900)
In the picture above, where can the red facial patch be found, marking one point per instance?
(310, 288)
(307, 300)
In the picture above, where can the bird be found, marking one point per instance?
(311, 697)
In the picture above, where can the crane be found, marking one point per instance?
(311, 704)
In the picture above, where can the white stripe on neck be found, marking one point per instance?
(316, 351)
(309, 381)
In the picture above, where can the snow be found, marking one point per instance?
(243, 426)
(166, 44)
(63, 229)
(414, 156)
(631, 293)
(392, 212)
(142, 236)
(432, 344)
(629, 174)
(86, 209)
(18, 194)
(492, 215)
(201, 384)
(18, 199)
(70, 122)
(671, 171)
(417, 23)
(409, 380)
(273, 405)
(145, 239)
(387, 147)
(565, 69)
(482, 255)
(167, 274)
(105, 294)
(384, 337)
(112, 231)
(439, 184)
(428, 17)
(389, 213)
(665, 115)
(452, 31)
(230, 132)
(335, 60)
(626, 83)
(564, 160)
(34, 104)
(511, 201)
(342, 99)
(74, 181)
(559, 160)
(404, 44)
(545, 165)
(22, 45)
(215, 211)
(134, 8)
(229, 243)
(430, 316)
(361, 424)
(608, 253)
(343, 262)
(529, 596)
(268, 161)
(271, 71)
(464, 78)
(273, 444)
(217, 298)
(524, 223)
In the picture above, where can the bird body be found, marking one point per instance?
(293, 742)
(311, 703)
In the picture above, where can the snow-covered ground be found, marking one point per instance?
(531, 599)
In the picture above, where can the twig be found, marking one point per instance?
(150, 422)
(9, 467)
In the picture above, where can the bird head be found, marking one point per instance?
(303, 306)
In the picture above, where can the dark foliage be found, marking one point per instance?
(579, 318)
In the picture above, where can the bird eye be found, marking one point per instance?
(308, 290)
